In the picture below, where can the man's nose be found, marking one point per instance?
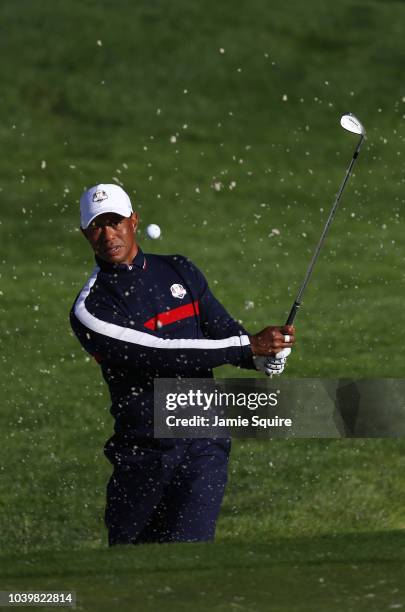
(108, 232)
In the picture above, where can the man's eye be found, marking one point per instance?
(99, 226)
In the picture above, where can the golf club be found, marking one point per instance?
(352, 124)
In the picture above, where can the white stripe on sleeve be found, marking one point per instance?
(134, 336)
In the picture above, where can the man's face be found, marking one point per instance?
(112, 237)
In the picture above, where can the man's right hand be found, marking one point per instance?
(271, 340)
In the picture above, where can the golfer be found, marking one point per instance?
(143, 316)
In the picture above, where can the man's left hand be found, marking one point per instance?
(272, 366)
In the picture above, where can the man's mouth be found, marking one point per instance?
(112, 250)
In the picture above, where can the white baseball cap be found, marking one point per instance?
(102, 199)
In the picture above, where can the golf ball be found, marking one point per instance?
(153, 231)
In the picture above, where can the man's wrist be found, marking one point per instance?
(247, 353)
(252, 345)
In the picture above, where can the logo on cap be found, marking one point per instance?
(99, 196)
(178, 291)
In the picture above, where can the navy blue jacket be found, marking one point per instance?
(154, 318)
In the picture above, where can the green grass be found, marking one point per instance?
(356, 573)
(263, 115)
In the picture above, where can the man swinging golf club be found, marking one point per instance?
(144, 316)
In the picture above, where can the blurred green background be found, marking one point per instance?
(222, 122)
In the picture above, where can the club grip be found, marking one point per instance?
(292, 314)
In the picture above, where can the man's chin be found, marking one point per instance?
(113, 256)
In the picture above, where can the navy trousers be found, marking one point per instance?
(171, 495)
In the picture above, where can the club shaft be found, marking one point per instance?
(298, 299)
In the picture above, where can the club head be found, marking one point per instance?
(352, 124)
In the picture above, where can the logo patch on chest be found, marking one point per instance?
(178, 291)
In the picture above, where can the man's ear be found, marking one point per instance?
(135, 221)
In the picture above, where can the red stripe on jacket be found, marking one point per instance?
(171, 316)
